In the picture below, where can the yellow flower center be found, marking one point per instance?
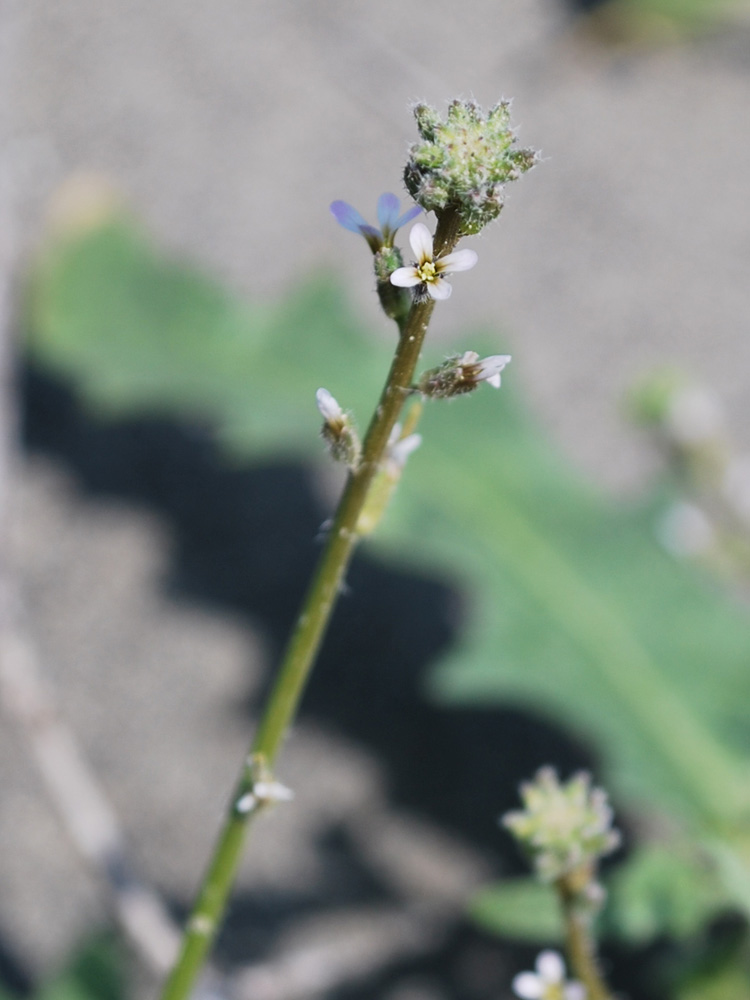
(553, 991)
(427, 272)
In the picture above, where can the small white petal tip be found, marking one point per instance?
(490, 368)
(328, 406)
(272, 791)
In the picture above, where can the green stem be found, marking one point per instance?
(306, 637)
(579, 943)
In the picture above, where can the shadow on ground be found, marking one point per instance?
(246, 539)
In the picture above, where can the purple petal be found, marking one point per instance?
(370, 232)
(408, 215)
(349, 217)
(388, 206)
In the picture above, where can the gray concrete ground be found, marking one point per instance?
(230, 126)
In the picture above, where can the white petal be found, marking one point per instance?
(401, 450)
(495, 362)
(490, 368)
(395, 434)
(550, 967)
(468, 358)
(272, 791)
(405, 277)
(244, 804)
(528, 986)
(574, 991)
(420, 239)
(439, 289)
(330, 410)
(461, 260)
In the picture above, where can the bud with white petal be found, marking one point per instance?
(462, 373)
(338, 430)
(400, 447)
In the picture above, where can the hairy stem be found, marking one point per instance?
(304, 643)
(579, 941)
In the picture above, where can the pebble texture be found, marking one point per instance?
(230, 126)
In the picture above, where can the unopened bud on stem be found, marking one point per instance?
(337, 431)
(462, 373)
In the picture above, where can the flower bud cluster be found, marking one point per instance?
(564, 827)
(338, 430)
(462, 373)
(464, 162)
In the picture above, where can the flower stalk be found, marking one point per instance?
(463, 200)
(580, 945)
(305, 641)
(564, 829)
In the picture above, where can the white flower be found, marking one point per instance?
(487, 370)
(427, 270)
(548, 982)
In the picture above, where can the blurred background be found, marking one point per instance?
(159, 568)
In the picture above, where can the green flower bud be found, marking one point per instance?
(464, 162)
(395, 301)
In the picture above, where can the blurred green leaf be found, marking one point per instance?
(521, 908)
(662, 890)
(94, 973)
(716, 966)
(570, 609)
(137, 332)
(658, 891)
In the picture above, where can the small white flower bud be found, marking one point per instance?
(272, 791)
(328, 406)
(462, 373)
(338, 431)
